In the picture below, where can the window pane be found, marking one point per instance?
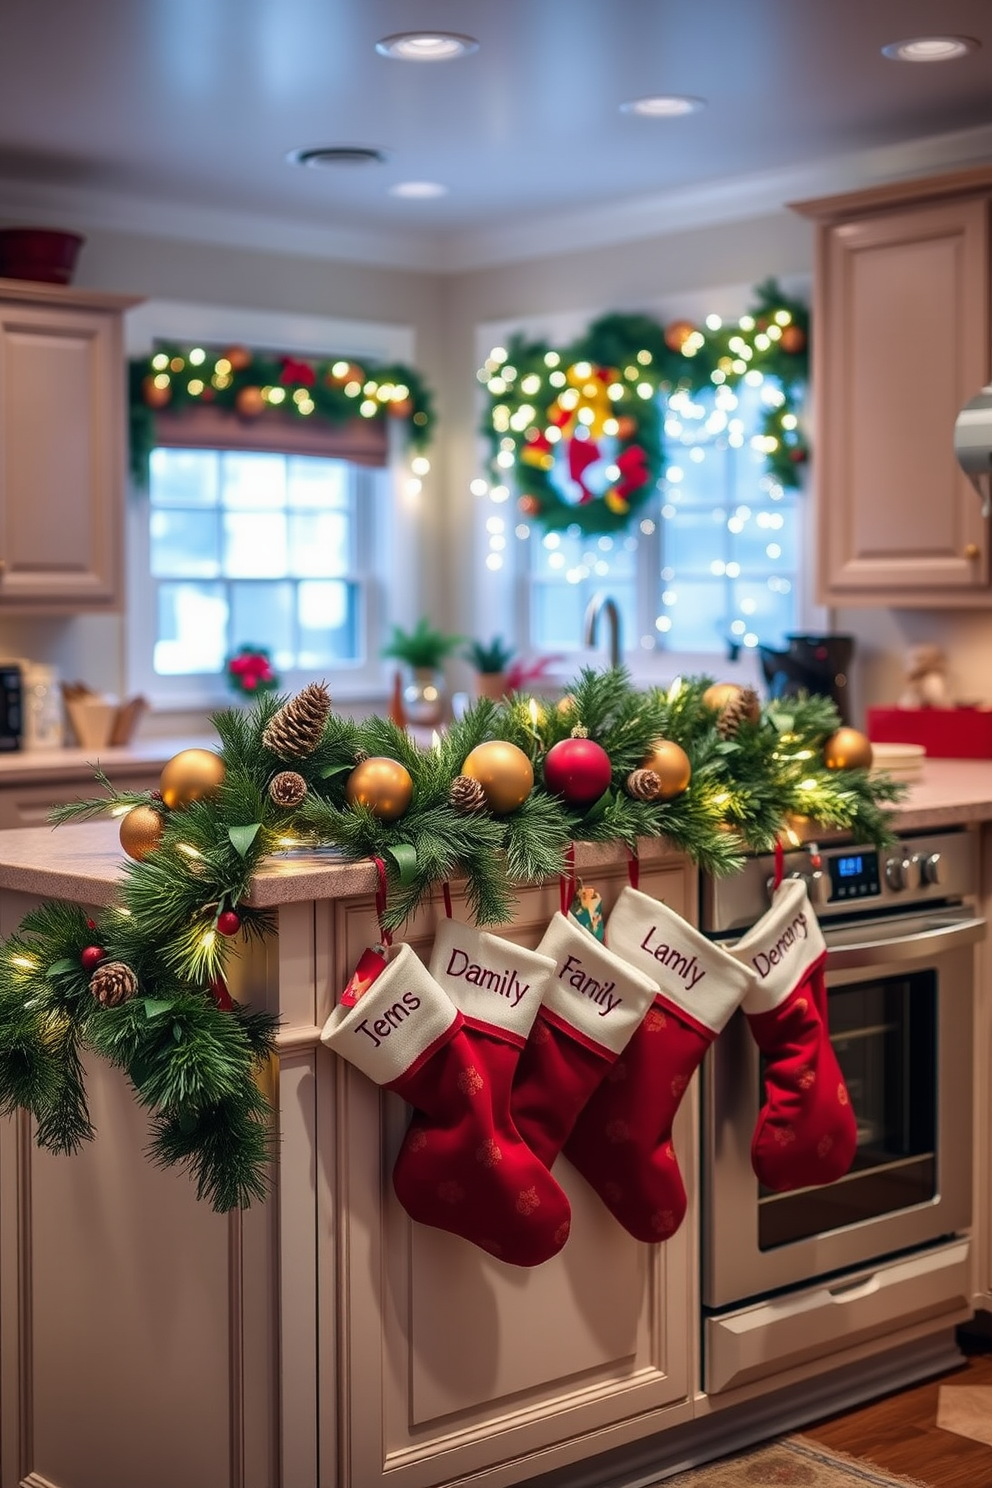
(328, 624)
(254, 544)
(183, 477)
(318, 483)
(262, 615)
(192, 628)
(320, 543)
(184, 544)
(557, 616)
(253, 481)
(693, 620)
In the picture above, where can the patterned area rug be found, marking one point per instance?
(792, 1462)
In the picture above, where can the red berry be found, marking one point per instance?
(228, 922)
(578, 770)
(92, 956)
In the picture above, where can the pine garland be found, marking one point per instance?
(194, 1061)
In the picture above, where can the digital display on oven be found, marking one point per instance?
(853, 875)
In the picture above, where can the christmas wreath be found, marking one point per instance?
(251, 384)
(578, 430)
(496, 801)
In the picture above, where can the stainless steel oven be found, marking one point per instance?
(901, 929)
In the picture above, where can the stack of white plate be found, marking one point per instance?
(903, 761)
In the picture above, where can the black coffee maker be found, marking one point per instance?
(813, 663)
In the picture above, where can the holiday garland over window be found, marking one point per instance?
(253, 384)
(554, 415)
(497, 801)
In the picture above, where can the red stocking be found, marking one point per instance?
(592, 1005)
(622, 1141)
(462, 1166)
(806, 1132)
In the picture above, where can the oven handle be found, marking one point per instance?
(906, 947)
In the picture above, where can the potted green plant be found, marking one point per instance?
(490, 660)
(423, 651)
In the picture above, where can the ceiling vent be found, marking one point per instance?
(326, 155)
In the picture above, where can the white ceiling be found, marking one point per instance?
(176, 116)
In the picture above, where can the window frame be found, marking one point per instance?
(390, 588)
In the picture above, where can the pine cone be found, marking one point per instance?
(361, 755)
(745, 706)
(644, 785)
(287, 788)
(113, 983)
(467, 794)
(298, 727)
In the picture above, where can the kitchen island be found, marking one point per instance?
(322, 1338)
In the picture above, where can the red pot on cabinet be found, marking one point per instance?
(39, 253)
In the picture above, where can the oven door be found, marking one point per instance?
(900, 994)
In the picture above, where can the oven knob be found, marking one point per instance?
(932, 869)
(897, 872)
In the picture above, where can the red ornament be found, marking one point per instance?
(228, 922)
(91, 957)
(578, 770)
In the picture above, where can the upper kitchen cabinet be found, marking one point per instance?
(902, 340)
(62, 448)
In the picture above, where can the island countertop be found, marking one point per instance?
(83, 862)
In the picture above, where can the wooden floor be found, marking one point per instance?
(900, 1431)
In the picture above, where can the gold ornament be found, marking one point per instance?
(141, 831)
(239, 358)
(250, 402)
(793, 339)
(400, 407)
(626, 426)
(383, 785)
(677, 334)
(847, 749)
(504, 772)
(191, 775)
(670, 763)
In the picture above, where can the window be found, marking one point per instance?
(713, 566)
(713, 563)
(286, 540)
(253, 547)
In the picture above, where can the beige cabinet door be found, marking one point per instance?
(902, 341)
(453, 1365)
(62, 449)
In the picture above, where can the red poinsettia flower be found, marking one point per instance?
(250, 671)
(296, 373)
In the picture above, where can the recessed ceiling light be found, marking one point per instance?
(327, 155)
(930, 48)
(426, 46)
(663, 106)
(418, 190)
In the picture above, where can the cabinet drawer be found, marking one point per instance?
(29, 805)
(772, 1336)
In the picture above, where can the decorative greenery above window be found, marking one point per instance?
(257, 385)
(577, 432)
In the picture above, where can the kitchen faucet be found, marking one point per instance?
(603, 604)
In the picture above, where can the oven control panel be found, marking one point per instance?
(843, 880)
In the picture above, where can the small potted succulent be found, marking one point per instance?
(423, 652)
(490, 661)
